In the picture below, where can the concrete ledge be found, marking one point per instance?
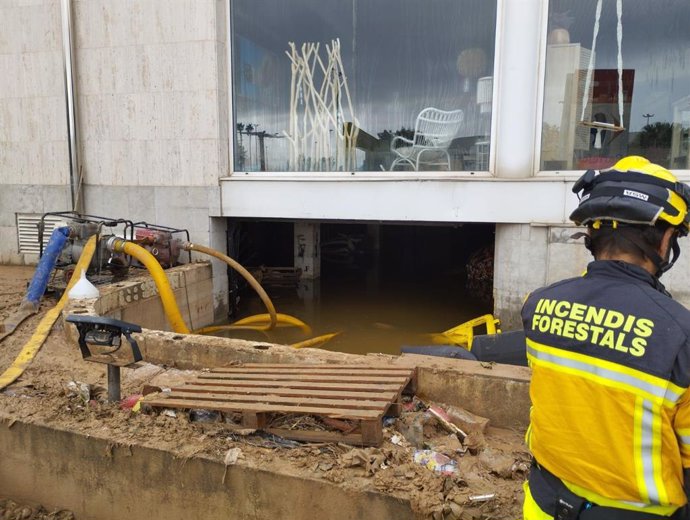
(101, 481)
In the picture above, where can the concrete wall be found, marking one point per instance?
(34, 161)
(95, 479)
(152, 84)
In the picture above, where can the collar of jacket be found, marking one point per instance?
(620, 269)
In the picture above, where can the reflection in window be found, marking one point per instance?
(398, 57)
(606, 97)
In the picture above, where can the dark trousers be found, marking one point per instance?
(554, 498)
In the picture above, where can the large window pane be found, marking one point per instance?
(604, 100)
(397, 57)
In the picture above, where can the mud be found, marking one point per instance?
(62, 391)
(11, 510)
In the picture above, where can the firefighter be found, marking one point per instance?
(610, 356)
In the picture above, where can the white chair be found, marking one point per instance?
(433, 132)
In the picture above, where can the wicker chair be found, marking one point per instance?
(434, 130)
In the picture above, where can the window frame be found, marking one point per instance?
(570, 175)
(425, 174)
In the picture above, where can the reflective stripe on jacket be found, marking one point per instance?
(610, 358)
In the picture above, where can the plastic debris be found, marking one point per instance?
(79, 389)
(412, 429)
(243, 432)
(389, 421)
(131, 402)
(415, 405)
(205, 416)
(434, 461)
(445, 420)
(169, 413)
(397, 439)
(482, 498)
(231, 456)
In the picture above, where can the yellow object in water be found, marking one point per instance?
(463, 334)
(29, 351)
(257, 322)
(315, 342)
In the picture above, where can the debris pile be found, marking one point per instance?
(446, 460)
(11, 510)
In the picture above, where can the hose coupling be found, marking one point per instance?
(115, 244)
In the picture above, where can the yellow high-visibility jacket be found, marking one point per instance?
(610, 358)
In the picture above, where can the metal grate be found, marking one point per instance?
(27, 231)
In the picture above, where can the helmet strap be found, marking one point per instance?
(588, 239)
(662, 265)
(675, 249)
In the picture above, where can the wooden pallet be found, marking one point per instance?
(359, 394)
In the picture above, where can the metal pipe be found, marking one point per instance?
(71, 107)
(113, 383)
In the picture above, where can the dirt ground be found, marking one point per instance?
(60, 389)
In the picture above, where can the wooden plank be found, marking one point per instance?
(317, 378)
(319, 436)
(254, 420)
(306, 385)
(395, 409)
(287, 392)
(372, 433)
(318, 366)
(322, 371)
(256, 407)
(270, 399)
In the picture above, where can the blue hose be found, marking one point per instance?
(45, 266)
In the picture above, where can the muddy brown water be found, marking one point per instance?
(370, 317)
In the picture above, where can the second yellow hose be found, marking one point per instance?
(188, 246)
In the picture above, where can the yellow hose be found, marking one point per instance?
(282, 318)
(249, 323)
(188, 246)
(29, 351)
(317, 341)
(172, 311)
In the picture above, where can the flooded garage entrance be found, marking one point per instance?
(380, 285)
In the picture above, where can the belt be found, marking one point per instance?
(554, 498)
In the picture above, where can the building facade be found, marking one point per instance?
(199, 113)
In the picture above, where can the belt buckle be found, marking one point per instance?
(568, 509)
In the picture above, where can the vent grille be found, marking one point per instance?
(27, 231)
